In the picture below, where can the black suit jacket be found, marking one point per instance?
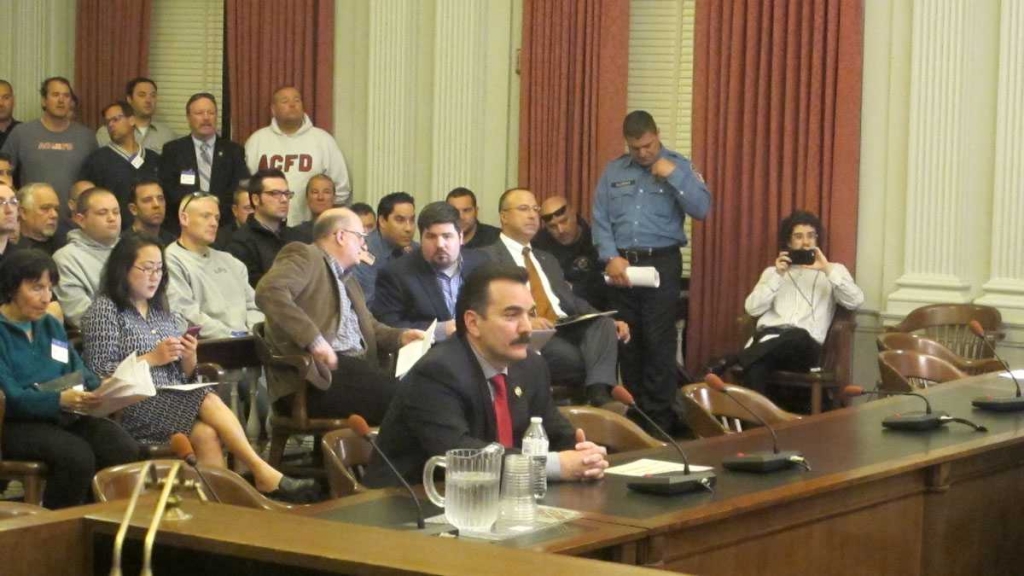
(445, 403)
(228, 170)
(570, 303)
(408, 294)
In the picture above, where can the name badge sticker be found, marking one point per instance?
(188, 178)
(59, 351)
(623, 183)
(137, 162)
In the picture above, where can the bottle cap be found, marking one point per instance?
(536, 419)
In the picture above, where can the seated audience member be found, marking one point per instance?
(566, 236)
(8, 220)
(414, 291)
(201, 161)
(149, 207)
(584, 351)
(131, 315)
(475, 234)
(210, 288)
(43, 425)
(81, 261)
(140, 93)
(366, 216)
(53, 148)
(319, 199)
(315, 306)
(123, 162)
(241, 208)
(396, 223)
(67, 219)
(293, 145)
(460, 395)
(39, 209)
(257, 243)
(6, 164)
(795, 304)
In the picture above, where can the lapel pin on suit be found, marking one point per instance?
(518, 392)
(220, 153)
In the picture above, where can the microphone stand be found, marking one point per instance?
(122, 530)
(161, 504)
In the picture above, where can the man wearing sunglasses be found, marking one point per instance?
(566, 236)
(257, 243)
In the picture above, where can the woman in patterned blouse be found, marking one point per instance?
(131, 315)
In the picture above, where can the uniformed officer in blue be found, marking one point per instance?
(640, 204)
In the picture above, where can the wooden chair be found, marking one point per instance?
(117, 482)
(905, 371)
(615, 432)
(947, 325)
(711, 413)
(345, 458)
(31, 474)
(15, 509)
(296, 421)
(834, 370)
(924, 345)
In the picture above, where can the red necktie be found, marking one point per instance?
(501, 414)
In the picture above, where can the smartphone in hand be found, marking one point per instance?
(802, 257)
(193, 331)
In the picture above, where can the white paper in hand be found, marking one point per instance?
(411, 353)
(130, 383)
(641, 277)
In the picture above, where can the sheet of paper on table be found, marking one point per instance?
(650, 467)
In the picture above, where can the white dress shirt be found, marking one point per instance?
(516, 249)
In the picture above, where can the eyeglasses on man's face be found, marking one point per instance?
(524, 208)
(279, 194)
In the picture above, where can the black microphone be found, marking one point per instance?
(757, 461)
(358, 425)
(182, 448)
(913, 421)
(996, 403)
(669, 482)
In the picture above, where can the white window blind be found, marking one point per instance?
(661, 72)
(186, 55)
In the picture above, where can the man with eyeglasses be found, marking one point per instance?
(475, 234)
(8, 220)
(396, 224)
(566, 236)
(53, 148)
(123, 161)
(81, 261)
(201, 161)
(148, 206)
(640, 205)
(38, 207)
(7, 121)
(293, 145)
(582, 352)
(257, 243)
(315, 306)
(140, 93)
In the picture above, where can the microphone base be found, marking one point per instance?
(999, 404)
(916, 421)
(674, 483)
(761, 462)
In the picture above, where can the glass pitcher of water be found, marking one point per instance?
(471, 480)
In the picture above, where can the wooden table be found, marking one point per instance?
(877, 502)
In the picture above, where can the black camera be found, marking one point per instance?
(802, 257)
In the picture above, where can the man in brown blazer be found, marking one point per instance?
(314, 305)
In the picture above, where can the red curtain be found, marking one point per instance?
(274, 43)
(573, 94)
(111, 48)
(776, 127)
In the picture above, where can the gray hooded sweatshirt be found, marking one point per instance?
(80, 264)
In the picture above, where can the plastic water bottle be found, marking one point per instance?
(535, 445)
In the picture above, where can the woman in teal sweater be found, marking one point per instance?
(47, 426)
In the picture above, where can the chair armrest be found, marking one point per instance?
(980, 366)
(210, 372)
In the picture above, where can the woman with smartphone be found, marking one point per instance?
(795, 300)
(131, 315)
(43, 423)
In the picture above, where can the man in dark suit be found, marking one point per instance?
(481, 386)
(201, 161)
(584, 351)
(314, 306)
(422, 286)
